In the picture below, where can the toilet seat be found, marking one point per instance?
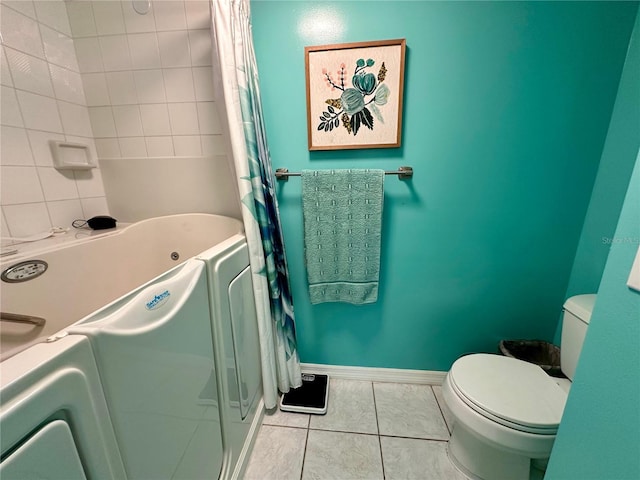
(513, 393)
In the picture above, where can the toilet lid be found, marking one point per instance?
(511, 392)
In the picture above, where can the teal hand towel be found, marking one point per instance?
(342, 212)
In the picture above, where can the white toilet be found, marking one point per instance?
(506, 411)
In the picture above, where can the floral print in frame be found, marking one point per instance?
(354, 95)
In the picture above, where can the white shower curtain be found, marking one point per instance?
(238, 96)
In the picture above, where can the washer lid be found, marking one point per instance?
(519, 393)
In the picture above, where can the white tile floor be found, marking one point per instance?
(371, 431)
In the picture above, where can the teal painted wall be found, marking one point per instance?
(602, 412)
(599, 436)
(612, 181)
(506, 110)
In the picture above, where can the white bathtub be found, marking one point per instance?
(95, 275)
(86, 272)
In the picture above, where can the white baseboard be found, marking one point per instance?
(389, 375)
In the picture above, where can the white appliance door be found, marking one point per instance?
(155, 356)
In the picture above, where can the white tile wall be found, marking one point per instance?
(81, 19)
(15, 149)
(67, 85)
(208, 118)
(94, 206)
(174, 49)
(108, 148)
(5, 78)
(159, 146)
(203, 83)
(58, 48)
(133, 147)
(135, 23)
(150, 86)
(170, 15)
(29, 73)
(187, 146)
(39, 142)
(200, 46)
(159, 63)
(178, 83)
(26, 219)
(20, 32)
(61, 210)
(121, 87)
(53, 14)
(145, 52)
(42, 100)
(155, 119)
(88, 54)
(39, 112)
(95, 89)
(75, 119)
(197, 14)
(98, 72)
(20, 185)
(56, 184)
(184, 118)
(108, 17)
(10, 109)
(102, 122)
(115, 52)
(128, 121)
(26, 8)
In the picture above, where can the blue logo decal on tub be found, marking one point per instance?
(158, 300)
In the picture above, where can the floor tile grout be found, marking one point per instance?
(309, 428)
(304, 453)
(375, 409)
(441, 410)
(430, 439)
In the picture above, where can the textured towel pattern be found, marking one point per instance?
(342, 229)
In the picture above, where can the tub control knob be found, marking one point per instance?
(23, 271)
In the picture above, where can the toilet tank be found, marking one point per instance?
(576, 317)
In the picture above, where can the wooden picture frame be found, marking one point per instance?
(354, 94)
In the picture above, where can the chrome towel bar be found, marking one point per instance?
(402, 172)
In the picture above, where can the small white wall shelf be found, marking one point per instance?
(71, 156)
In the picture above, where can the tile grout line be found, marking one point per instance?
(375, 408)
(441, 411)
(304, 453)
(429, 439)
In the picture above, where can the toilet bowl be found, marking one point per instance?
(505, 411)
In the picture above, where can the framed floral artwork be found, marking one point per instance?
(354, 94)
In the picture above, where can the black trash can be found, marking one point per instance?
(544, 354)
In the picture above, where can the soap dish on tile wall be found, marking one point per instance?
(71, 156)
